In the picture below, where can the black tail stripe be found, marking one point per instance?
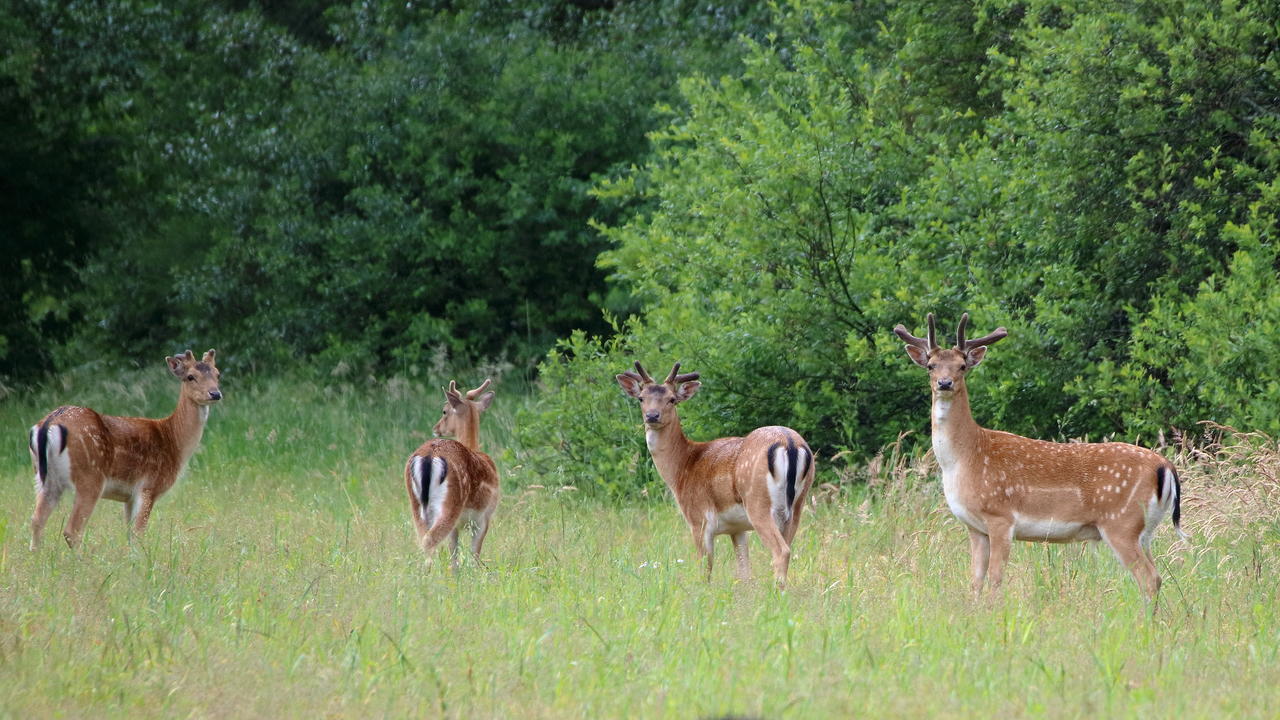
(793, 453)
(1163, 475)
(424, 474)
(42, 442)
(42, 445)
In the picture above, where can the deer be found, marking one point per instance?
(1006, 487)
(128, 459)
(726, 486)
(449, 479)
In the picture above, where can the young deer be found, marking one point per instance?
(133, 460)
(449, 480)
(1004, 487)
(726, 486)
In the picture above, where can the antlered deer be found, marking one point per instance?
(726, 486)
(1004, 487)
(133, 460)
(450, 479)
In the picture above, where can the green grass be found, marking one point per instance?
(280, 578)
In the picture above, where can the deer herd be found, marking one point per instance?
(1000, 486)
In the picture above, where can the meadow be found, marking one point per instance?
(280, 578)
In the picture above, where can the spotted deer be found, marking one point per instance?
(730, 485)
(1004, 487)
(449, 479)
(132, 460)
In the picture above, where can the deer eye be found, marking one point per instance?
(932, 366)
(191, 378)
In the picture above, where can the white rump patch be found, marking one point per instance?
(435, 483)
(439, 486)
(58, 473)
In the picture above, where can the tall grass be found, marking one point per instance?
(280, 578)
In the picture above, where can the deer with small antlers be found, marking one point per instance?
(132, 460)
(730, 485)
(1005, 487)
(449, 479)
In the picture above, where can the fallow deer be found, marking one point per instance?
(730, 485)
(450, 479)
(1005, 487)
(132, 460)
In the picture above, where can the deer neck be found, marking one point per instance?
(955, 434)
(670, 449)
(469, 436)
(186, 425)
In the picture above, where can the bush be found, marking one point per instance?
(582, 430)
(1094, 181)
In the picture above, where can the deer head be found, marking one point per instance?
(199, 378)
(658, 400)
(947, 366)
(460, 416)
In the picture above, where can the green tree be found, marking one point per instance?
(1088, 176)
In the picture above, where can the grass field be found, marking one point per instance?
(280, 578)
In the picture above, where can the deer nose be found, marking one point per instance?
(215, 395)
(651, 417)
(945, 384)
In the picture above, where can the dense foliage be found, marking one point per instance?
(365, 184)
(767, 190)
(1100, 179)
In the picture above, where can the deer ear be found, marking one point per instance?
(630, 384)
(484, 401)
(175, 366)
(918, 356)
(687, 390)
(975, 356)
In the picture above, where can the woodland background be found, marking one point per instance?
(339, 192)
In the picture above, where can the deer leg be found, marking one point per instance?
(762, 520)
(740, 549)
(1129, 551)
(86, 498)
(482, 528)
(789, 532)
(419, 524)
(46, 500)
(704, 544)
(453, 549)
(979, 557)
(999, 538)
(141, 510)
(444, 525)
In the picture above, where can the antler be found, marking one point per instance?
(676, 379)
(926, 345)
(471, 394)
(642, 373)
(966, 345)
